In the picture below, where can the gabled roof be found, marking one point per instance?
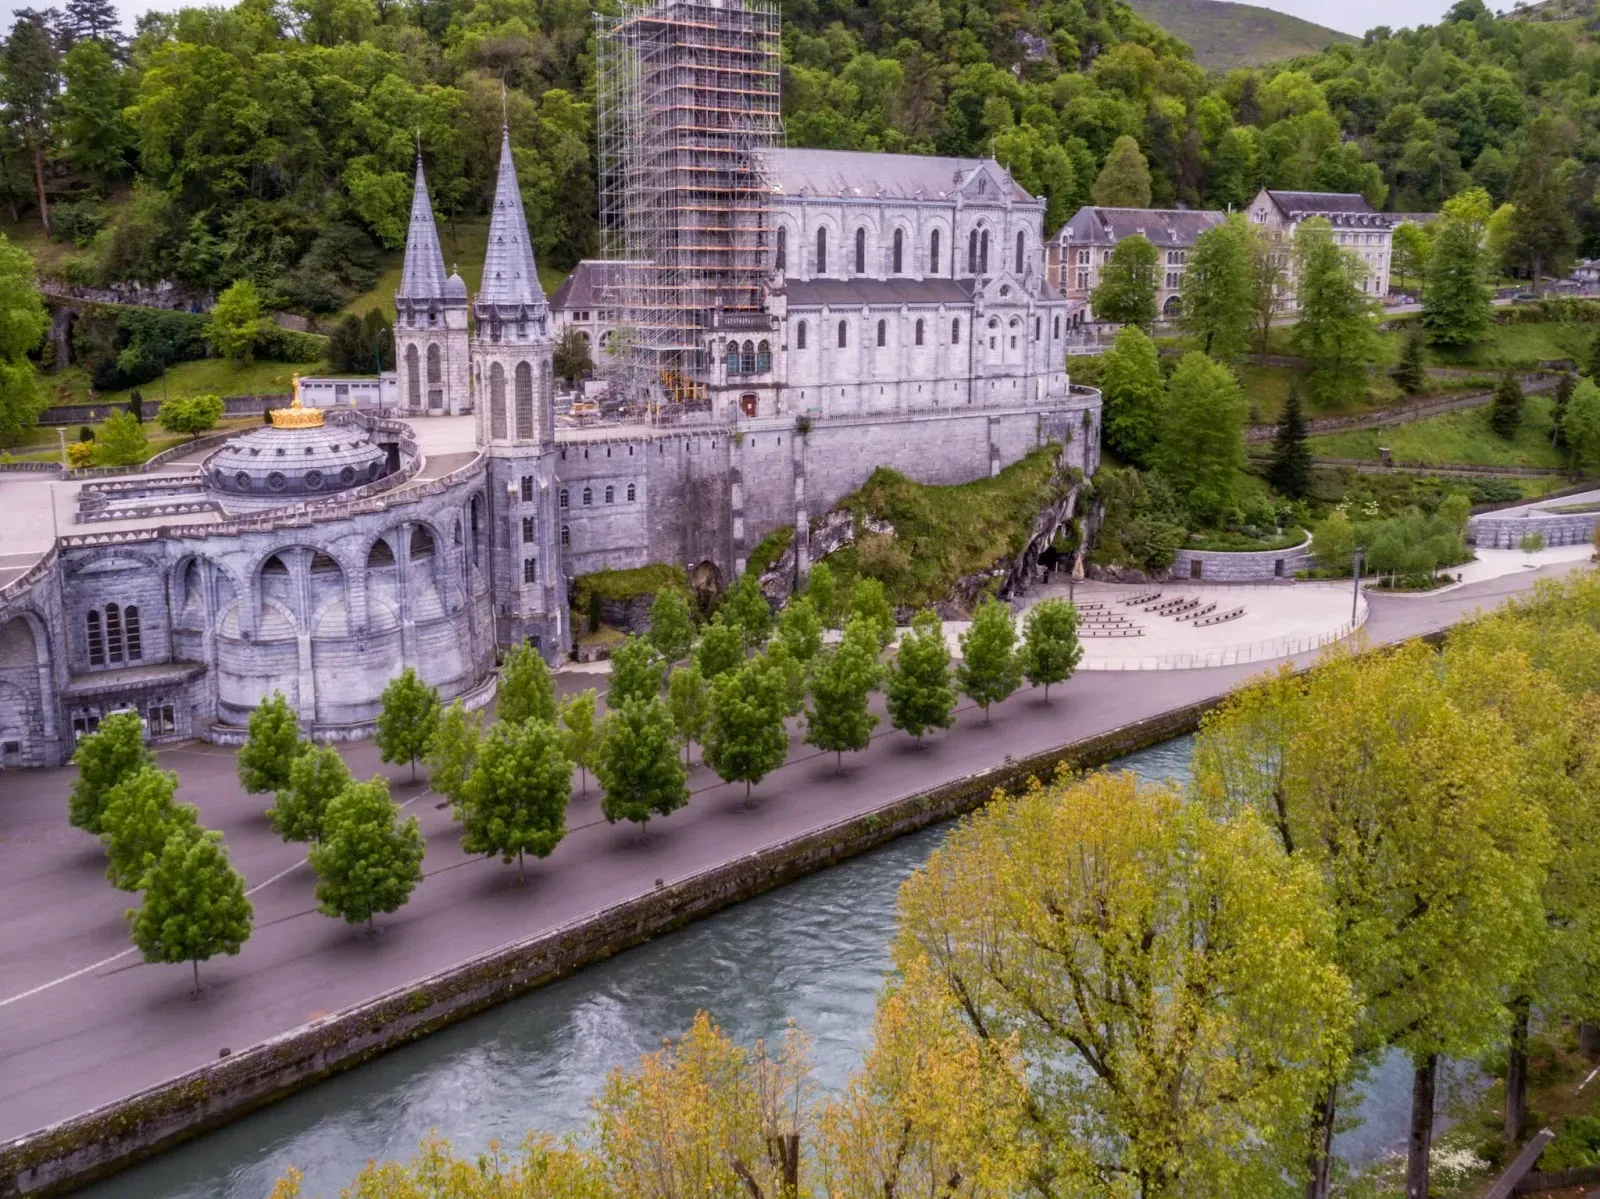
(422, 277)
(858, 174)
(510, 276)
(1162, 226)
(1320, 203)
(587, 285)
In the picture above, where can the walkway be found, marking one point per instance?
(82, 1022)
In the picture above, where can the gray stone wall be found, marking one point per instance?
(1259, 566)
(1495, 531)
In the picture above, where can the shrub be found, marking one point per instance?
(1577, 1144)
(274, 344)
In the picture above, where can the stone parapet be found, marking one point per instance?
(1241, 566)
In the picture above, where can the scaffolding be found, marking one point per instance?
(688, 101)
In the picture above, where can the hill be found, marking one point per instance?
(1226, 35)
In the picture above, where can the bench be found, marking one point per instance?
(1113, 632)
(1182, 611)
(1171, 605)
(1220, 617)
(1147, 597)
(1198, 612)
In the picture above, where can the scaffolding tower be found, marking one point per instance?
(688, 101)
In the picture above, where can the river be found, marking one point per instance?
(815, 951)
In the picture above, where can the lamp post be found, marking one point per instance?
(1355, 593)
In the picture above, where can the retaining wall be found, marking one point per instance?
(99, 1143)
(1507, 532)
(1241, 566)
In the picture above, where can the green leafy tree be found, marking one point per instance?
(869, 601)
(990, 668)
(139, 815)
(1455, 298)
(95, 135)
(316, 775)
(1580, 424)
(121, 440)
(1408, 254)
(1126, 294)
(190, 414)
(1201, 447)
(918, 690)
(638, 764)
(1050, 647)
(272, 743)
(235, 322)
(527, 692)
(453, 751)
(785, 675)
(1505, 410)
(637, 672)
(720, 650)
(744, 739)
(1290, 471)
(109, 756)
(1133, 393)
(744, 608)
(23, 322)
(368, 860)
(1335, 330)
(842, 681)
(1409, 374)
(1560, 401)
(29, 85)
(408, 719)
(194, 903)
(1124, 180)
(671, 629)
(822, 589)
(1593, 370)
(688, 703)
(1269, 280)
(580, 736)
(515, 800)
(571, 357)
(1216, 289)
(800, 629)
(1542, 234)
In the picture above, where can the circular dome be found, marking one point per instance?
(275, 465)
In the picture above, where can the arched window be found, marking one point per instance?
(1055, 327)
(955, 332)
(822, 251)
(764, 357)
(525, 429)
(566, 536)
(413, 378)
(113, 634)
(631, 493)
(611, 494)
(800, 336)
(497, 401)
(861, 251)
(588, 496)
(435, 373)
(130, 630)
(933, 253)
(747, 364)
(565, 498)
(919, 330)
(899, 250)
(97, 642)
(983, 253)
(972, 253)
(783, 247)
(842, 334)
(1021, 245)
(883, 333)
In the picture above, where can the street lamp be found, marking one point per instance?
(1355, 594)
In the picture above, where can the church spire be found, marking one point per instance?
(510, 278)
(423, 277)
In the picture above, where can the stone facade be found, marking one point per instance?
(1082, 247)
(1254, 566)
(1358, 229)
(1494, 531)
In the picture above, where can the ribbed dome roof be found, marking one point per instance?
(269, 466)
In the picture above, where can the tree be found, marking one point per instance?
(580, 737)
(1409, 374)
(638, 764)
(1216, 289)
(1334, 331)
(121, 440)
(408, 719)
(1050, 647)
(1542, 235)
(235, 323)
(1124, 180)
(316, 775)
(139, 815)
(1269, 279)
(527, 691)
(1455, 298)
(1505, 410)
(194, 903)
(29, 85)
(1133, 393)
(869, 601)
(1166, 973)
(822, 589)
(23, 322)
(1580, 424)
(571, 355)
(637, 672)
(842, 681)
(453, 751)
(800, 629)
(1126, 294)
(109, 756)
(367, 860)
(1201, 447)
(671, 629)
(990, 669)
(515, 800)
(744, 739)
(1560, 401)
(746, 609)
(136, 405)
(1408, 252)
(721, 649)
(688, 703)
(918, 692)
(272, 743)
(1290, 471)
(190, 414)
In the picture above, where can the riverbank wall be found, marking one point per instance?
(96, 1144)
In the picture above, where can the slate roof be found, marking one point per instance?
(510, 277)
(1345, 209)
(1162, 226)
(813, 293)
(585, 284)
(859, 174)
(423, 277)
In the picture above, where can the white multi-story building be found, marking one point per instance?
(1358, 228)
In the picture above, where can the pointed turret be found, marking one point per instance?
(510, 278)
(423, 278)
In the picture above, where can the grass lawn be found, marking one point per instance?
(48, 255)
(44, 445)
(205, 376)
(1457, 438)
(464, 243)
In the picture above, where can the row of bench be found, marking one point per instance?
(1221, 617)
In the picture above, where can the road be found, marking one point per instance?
(84, 1022)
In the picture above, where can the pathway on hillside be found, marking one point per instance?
(83, 1023)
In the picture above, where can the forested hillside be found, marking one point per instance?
(274, 140)
(1224, 35)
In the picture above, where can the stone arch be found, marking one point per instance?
(380, 553)
(524, 402)
(859, 262)
(26, 690)
(497, 402)
(706, 580)
(435, 377)
(897, 263)
(413, 378)
(780, 260)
